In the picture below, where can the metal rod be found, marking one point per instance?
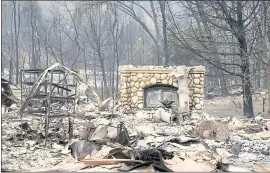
(263, 105)
(21, 87)
(48, 110)
(47, 114)
(70, 119)
(21, 97)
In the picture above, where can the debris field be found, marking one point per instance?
(193, 145)
(58, 131)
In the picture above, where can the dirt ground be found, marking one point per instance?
(224, 107)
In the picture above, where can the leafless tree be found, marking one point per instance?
(164, 29)
(97, 33)
(16, 10)
(262, 20)
(220, 17)
(131, 12)
(231, 39)
(117, 33)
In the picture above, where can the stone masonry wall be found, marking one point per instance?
(135, 79)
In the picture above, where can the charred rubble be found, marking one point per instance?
(54, 124)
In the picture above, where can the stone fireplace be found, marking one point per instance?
(144, 86)
(159, 92)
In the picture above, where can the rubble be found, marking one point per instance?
(119, 140)
(235, 124)
(267, 126)
(189, 165)
(162, 115)
(212, 130)
(261, 168)
(80, 149)
(203, 154)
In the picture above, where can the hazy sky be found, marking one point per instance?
(47, 7)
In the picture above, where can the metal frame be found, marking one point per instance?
(47, 104)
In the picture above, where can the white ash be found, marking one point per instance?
(18, 155)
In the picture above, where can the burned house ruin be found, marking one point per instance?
(145, 86)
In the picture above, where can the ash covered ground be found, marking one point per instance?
(22, 151)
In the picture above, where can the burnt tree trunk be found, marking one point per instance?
(268, 74)
(117, 66)
(95, 72)
(16, 29)
(157, 31)
(268, 67)
(113, 60)
(11, 68)
(112, 78)
(257, 75)
(104, 79)
(33, 39)
(2, 66)
(11, 56)
(46, 51)
(164, 28)
(238, 29)
(247, 95)
(241, 37)
(131, 46)
(223, 83)
(60, 47)
(268, 84)
(38, 54)
(85, 64)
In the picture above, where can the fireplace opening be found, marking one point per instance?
(160, 92)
